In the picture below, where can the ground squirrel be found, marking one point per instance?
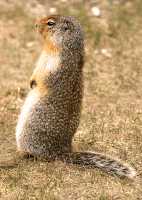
(51, 112)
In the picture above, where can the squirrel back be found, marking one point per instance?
(51, 112)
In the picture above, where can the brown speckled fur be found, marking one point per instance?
(54, 118)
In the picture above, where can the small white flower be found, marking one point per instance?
(96, 11)
(106, 52)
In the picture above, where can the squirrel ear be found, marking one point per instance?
(65, 27)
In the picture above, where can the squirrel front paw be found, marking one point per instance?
(33, 84)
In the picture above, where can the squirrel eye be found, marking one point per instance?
(50, 23)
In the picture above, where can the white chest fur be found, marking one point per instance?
(49, 62)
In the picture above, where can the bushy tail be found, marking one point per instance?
(100, 161)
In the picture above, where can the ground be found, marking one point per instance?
(111, 120)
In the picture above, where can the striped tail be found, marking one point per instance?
(100, 161)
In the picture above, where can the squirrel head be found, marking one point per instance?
(60, 32)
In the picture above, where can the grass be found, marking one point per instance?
(111, 119)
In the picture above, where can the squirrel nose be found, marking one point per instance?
(37, 25)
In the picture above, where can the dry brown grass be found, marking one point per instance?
(112, 111)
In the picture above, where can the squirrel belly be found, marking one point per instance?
(42, 128)
(31, 100)
(50, 114)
